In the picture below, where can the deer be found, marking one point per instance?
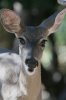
(20, 74)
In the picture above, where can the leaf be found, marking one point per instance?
(61, 32)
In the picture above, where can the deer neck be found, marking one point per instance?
(33, 86)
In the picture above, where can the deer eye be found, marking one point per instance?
(42, 43)
(22, 41)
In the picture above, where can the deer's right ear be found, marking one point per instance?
(10, 21)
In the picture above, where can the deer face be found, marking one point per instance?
(31, 39)
(31, 45)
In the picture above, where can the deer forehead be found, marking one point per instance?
(34, 33)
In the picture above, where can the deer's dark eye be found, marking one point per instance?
(42, 43)
(22, 41)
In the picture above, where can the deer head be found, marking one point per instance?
(31, 39)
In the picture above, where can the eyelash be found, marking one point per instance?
(22, 41)
(42, 43)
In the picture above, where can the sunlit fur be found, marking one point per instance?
(12, 86)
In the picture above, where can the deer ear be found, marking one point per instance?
(52, 23)
(10, 21)
(57, 22)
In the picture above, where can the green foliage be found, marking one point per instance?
(61, 33)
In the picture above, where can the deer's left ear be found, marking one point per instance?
(53, 22)
(10, 21)
(57, 22)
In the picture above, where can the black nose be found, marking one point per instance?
(32, 63)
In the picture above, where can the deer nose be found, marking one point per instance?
(32, 63)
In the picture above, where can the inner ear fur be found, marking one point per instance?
(52, 23)
(10, 21)
(58, 21)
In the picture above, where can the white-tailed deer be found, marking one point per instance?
(20, 75)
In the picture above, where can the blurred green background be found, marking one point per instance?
(53, 61)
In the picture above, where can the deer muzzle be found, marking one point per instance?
(31, 63)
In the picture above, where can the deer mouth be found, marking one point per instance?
(31, 67)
